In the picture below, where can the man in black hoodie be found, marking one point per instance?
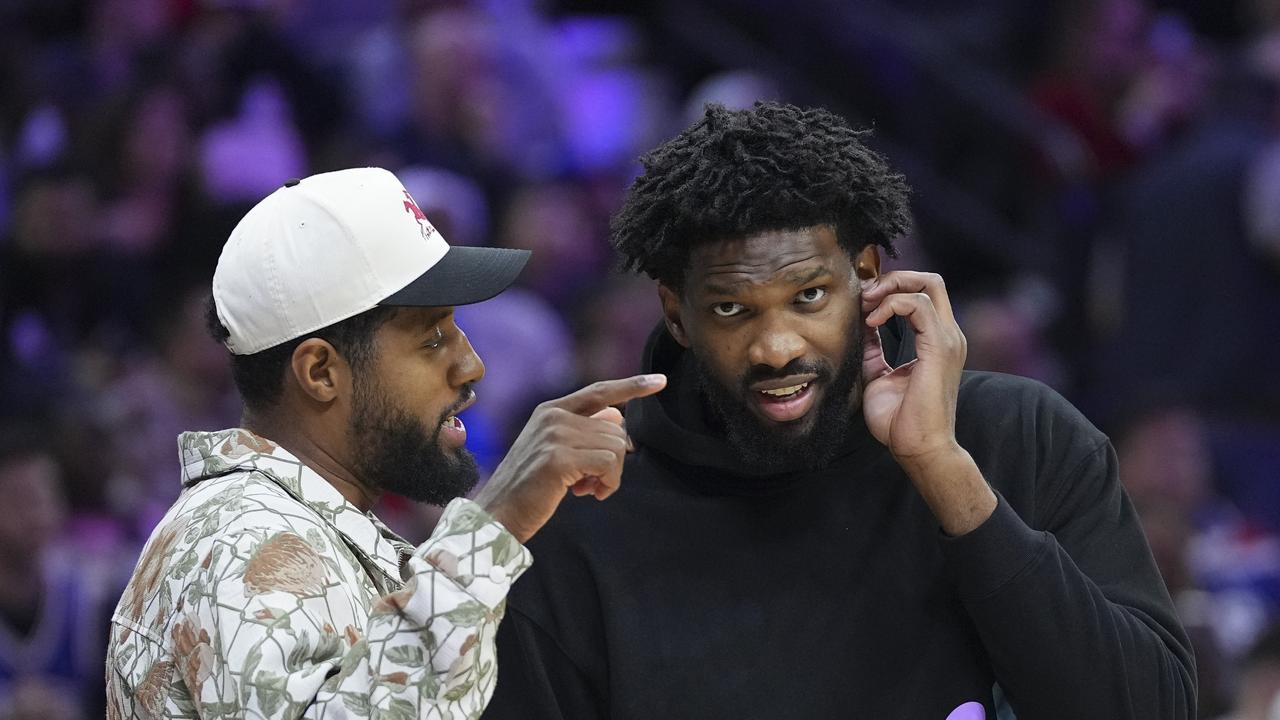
(812, 528)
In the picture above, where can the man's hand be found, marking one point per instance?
(912, 409)
(576, 443)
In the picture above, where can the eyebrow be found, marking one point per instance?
(431, 321)
(795, 277)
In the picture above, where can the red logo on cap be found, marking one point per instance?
(412, 207)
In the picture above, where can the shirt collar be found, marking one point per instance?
(206, 455)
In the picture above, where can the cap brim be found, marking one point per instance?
(463, 276)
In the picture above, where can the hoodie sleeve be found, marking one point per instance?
(1075, 616)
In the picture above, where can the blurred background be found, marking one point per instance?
(1098, 180)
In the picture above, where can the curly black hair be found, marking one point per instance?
(736, 173)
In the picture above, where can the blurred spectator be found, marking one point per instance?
(612, 106)
(1094, 58)
(183, 384)
(556, 222)
(149, 152)
(1222, 570)
(51, 622)
(612, 326)
(42, 139)
(1006, 335)
(1169, 90)
(1262, 206)
(244, 158)
(1258, 695)
(1192, 285)
(50, 300)
(121, 31)
(476, 105)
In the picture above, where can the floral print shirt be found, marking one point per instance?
(263, 593)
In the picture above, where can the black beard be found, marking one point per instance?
(395, 453)
(780, 447)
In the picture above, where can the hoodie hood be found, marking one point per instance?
(675, 424)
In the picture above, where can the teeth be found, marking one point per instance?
(783, 392)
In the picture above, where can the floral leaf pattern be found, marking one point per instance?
(264, 594)
(285, 562)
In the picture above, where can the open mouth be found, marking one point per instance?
(786, 392)
(786, 403)
(452, 429)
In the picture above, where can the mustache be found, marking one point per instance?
(799, 366)
(465, 395)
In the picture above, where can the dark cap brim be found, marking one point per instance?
(463, 276)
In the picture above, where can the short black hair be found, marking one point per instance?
(736, 173)
(259, 376)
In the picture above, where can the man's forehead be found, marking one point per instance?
(419, 317)
(762, 254)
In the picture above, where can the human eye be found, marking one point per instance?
(435, 340)
(727, 309)
(811, 295)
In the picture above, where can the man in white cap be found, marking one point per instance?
(269, 589)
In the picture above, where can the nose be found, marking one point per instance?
(468, 368)
(776, 342)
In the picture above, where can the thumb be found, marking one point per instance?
(611, 414)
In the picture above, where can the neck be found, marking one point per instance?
(316, 455)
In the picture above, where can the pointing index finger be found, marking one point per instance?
(600, 395)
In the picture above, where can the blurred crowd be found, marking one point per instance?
(1098, 181)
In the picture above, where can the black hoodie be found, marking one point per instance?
(704, 589)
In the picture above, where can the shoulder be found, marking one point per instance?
(1000, 388)
(228, 521)
(994, 404)
(246, 500)
(1025, 436)
(229, 505)
(256, 520)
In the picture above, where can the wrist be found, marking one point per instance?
(497, 504)
(942, 458)
(953, 487)
(508, 520)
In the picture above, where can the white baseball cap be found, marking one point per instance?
(331, 246)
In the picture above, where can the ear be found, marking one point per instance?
(671, 314)
(866, 265)
(319, 371)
